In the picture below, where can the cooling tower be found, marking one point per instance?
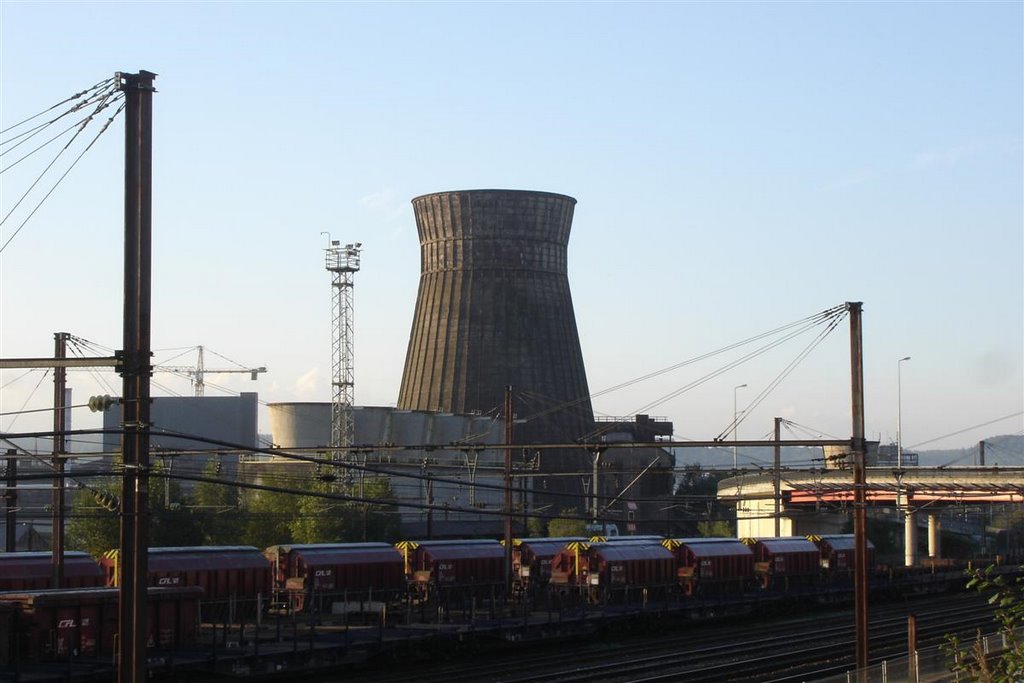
(494, 309)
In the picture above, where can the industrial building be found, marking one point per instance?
(200, 427)
(464, 483)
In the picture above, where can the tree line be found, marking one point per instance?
(213, 513)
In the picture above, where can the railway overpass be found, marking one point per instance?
(801, 502)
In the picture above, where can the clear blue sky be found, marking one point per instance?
(737, 166)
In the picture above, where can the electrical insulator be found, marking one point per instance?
(100, 404)
(107, 501)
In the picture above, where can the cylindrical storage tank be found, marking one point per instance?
(494, 309)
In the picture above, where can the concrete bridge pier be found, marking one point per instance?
(934, 537)
(910, 538)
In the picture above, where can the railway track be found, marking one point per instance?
(816, 644)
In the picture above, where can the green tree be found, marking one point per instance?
(971, 661)
(95, 529)
(172, 522)
(381, 520)
(267, 517)
(90, 526)
(696, 502)
(566, 526)
(718, 528)
(215, 507)
(320, 519)
(537, 527)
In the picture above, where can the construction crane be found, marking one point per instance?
(196, 374)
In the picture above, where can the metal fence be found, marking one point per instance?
(930, 665)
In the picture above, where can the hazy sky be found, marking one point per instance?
(737, 167)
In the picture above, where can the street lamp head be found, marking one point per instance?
(903, 359)
(739, 386)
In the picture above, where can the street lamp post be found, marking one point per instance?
(909, 521)
(735, 423)
(899, 412)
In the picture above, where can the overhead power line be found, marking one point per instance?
(831, 315)
(101, 100)
(967, 429)
(101, 84)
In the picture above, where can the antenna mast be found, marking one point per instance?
(342, 262)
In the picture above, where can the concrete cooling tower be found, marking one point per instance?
(494, 309)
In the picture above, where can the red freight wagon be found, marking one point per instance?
(235, 576)
(785, 562)
(626, 539)
(351, 570)
(475, 566)
(712, 565)
(55, 625)
(837, 554)
(34, 571)
(8, 631)
(605, 570)
(531, 559)
(573, 562)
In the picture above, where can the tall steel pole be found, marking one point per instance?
(11, 498)
(908, 538)
(777, 477)
(135, 371)
(860, 513)
(508, 490)
(735, 424)
(60, 376)
(899, 412)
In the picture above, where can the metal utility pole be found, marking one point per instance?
(777, 477)
(860, 513)
(735, 424)
(595, 499)
(981, 453)
(342, 262)
(912, 673)
(899, 412)
(11, 500)
(60, 375)
(430, 507)
(508, 490)
(135, 371)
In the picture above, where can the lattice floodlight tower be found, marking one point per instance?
(342, 262)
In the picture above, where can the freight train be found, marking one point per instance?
(238, 583)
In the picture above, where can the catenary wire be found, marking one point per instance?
(55, 185)
(29, 135)
(97, 86)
